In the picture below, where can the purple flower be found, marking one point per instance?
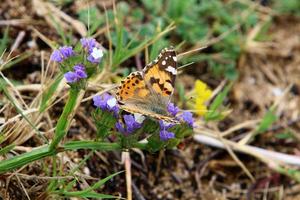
(66, 51)
(164, 134)
(79, 67)
(71, 77)
(172, 109)
(101, 101)
(131, 125)
(88, 43)
(120, 128)
(165, 125)
(188, 118)
(56, 56)
(80, 71)
(106, 102)
(95, 55)
(59, 55)
(81, 74)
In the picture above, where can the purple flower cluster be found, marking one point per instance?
(186, 116)
(106, 102)
(131, 122)
(59, 55)
(76, 75)
(94, 53)
(88, 44)
(172, 109)
(164, 134)
(130, 125)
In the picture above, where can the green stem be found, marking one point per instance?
(140, 145)
(45, 151)
(100, 146)
(25, 158)
(66, 116)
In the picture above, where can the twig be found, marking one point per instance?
(248, 123)
(137, 193)
(265, 155)
(18, 40)
(14, 22)
(23, 187)
(235, 158)
(29, 87)
(190, 51)
(127, 165)
(16, 117)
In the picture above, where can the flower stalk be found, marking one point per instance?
(75, 97)
(45, 151)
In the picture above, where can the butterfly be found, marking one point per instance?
(148, 92)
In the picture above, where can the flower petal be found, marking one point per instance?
(139, 118)
(112, 102)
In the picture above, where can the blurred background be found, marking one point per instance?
(252, 45)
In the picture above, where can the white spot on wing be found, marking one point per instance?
(175, 58)
(163, 62)
(172, 70)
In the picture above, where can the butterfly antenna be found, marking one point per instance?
(186, 65)
(179, 56)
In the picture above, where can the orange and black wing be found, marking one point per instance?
(160, 74)
(133, 88)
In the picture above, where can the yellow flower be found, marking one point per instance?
(203, 93)
(200, 107)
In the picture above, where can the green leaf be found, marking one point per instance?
(100, 146)
(284, 135)
(290, 6)
(267, 121)
(154, 143)
(213, 114)
(66, 116)
(6, 149)
(89, 190)
(4, 41)
(96, 195)
(104, 121)
(16, 60)
(181, 92)
(25, 158)
(91, 16)
(49, 94)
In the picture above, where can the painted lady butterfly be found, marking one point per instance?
(148, 92)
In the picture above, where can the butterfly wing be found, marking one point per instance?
(160, 74)
(133, 88)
